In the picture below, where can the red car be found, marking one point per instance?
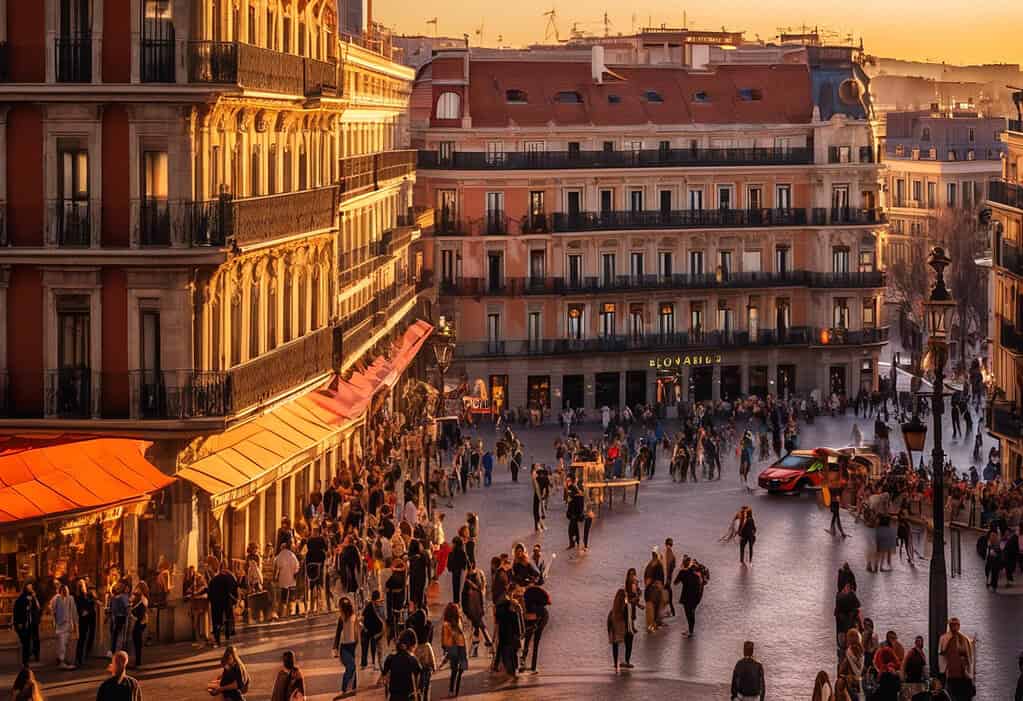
(794, 472)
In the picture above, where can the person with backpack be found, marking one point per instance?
(401, 671)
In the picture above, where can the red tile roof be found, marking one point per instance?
(784, 90)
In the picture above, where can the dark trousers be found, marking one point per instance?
(836, 516)
(368, 643)
(587, 524)
(223, 619)
(743, 544)
(25, 638)
(536, 511)
(117, 633)
(86, 639)
(628, 649)
(456, 586)
(671, 596)
(138, 633)
(508, 656)
(573, 533)
(993, 570)
(534, 630)
(690, 610)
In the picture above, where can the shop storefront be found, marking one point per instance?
(538, 392)
(573, 390)
(607, 390)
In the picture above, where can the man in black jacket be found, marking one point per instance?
(27, 613)
(510, 627)
(402, 670)
(748, 677)
(536, 600)
(576, 507)
(692, 590)
(223, 595)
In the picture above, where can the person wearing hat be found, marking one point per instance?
(401, 670)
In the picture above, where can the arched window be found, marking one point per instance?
(449, 106)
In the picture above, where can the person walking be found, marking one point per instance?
(535, 600)
(140, 615)
(120, 608)
(195, 593)
(373, 617)
(85, 604)
(691, 579)
(65, 621)
(488, 468)
(26, 616)
(346, 637)
(119, 686)
(286, 568)
(473, 604)
(453, 643)
(955, 662)
(401, 670)
(748, 677)
(620, 630)
(223, 593)
(510, 627)
(457, 564)
(516, 461)
(669, 571)
(233, 682)
(575, 514)
(26, 687)
(747, 536)
(289, 685)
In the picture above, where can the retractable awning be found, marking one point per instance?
(46, 476)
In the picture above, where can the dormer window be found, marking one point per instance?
(614, 99)
(750, 94)
(516, 97)
(701, 96)
(652, 96)
(568, 97)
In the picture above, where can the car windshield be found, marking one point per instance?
(794, 462)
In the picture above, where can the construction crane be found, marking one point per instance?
(552, 26)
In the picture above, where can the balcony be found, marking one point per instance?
(1011, 258)
(1015, 125)
(279, 370)
(678, 219)
(255, 68)
(156, 60)
(846, 337)
(207, 223)
(648, 158)
(179, 394)
(154, 222)
(848, 216)
(793, 336)
(73, 59)
(71, 393)
(1004, 420)
(515, 287)
(1006, 193)
(1011, 337)
(364, 174)
(259, 219)
(72, 223)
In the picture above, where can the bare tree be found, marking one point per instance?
(964, 241)
(908, 287)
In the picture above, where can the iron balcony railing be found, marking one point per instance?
(285, 367)
(157, 60)
(1015, 125)
(1005, 419)
(154, 222)
(645, 158)
(257, 68)
(1011, 258)
(1006, 193)
(72, 393)
(517, 286)
(249, 220)
(73, 59)
(364, 174)
(678, 219)
(73, 222)
(1011, 337)
(179, 394)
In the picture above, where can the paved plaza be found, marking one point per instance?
(783, 602)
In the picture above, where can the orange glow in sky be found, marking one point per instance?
(938, 30)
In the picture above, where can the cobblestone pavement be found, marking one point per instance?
(783, 602)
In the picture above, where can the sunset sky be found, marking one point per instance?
(956, 32)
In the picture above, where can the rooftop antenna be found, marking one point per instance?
(434, 23)
(552, 26)
(607, 24)
(479, 33)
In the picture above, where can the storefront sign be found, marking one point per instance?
(477, 405)
(677, 361)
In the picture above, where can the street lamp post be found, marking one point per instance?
(939, 311)
(443, 351)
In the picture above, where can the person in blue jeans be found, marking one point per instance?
(488, 468)
(346, 638)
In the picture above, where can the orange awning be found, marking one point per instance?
(48, 476)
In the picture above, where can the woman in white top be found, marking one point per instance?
(345, 639)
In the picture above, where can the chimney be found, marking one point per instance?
(597, 64)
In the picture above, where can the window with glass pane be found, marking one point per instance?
(607, 320)
(783, 197)
(696, 199)
(840, 260)
(840, 197)
(636, 200)
(73, 224)
(535, 330)
(696, 318)
(636, 264)
(575, 270)
(606, 200)
(493, 328)
(725, 263)
(753, 321)
(725, 321)
(636, 320)
(666, 319)
(575, 321)
(781, 260)
(950, 199)
(271, 313)
(696, 262)
(447, 266)
(783, 311)
(754, 197)
(866, 261)
(725, 197)
(751, 262)
(840, 315)
(607, 268)
(287, 298)
(537, 265)
(254, 319)
(495, 152)
(664, 264)
(869, 312)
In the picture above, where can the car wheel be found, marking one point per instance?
(800, 487)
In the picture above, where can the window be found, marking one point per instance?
(493, 328)
(449, 106)
(254, 316)
(696, 262)
(495, 271)
(696, 318)
(918, 190)
(573, 150)
(286, 33)
(725, 196)
(73, 224)
(696, 199)
(900, 193)
(636, 320)
(157, 44)
(271, 313)
(664, 264)
(840, 313)
(754, 197)
(866, 261)
(783, 312)
(925, 134)
(614, 99)
(534, 329)
(636, 264)
(607, 320)
(652, 96)
(516, 97)
(726, 322)
(840, 197)
(840, 260)
(932, 195)
(608, 147)
(967, 194)
(666, 319)
(781, 260)
(607, 268)
(568, 97)
(575, 321)
(636, 201)
(751, 261)
(725, 263)
(288, 330)
(783, 197)
(301, 38)
(537, 264)
(750, 94)
(254, 172)
(237, 334)
(303, 168)
(575, 270)
(495, 213)
(701, 96)
(271, 170)
(869, 313)
(664, 147)
(665, 201)
(573, 203)
(607, 200)
(447, 266)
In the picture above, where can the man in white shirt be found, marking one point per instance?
(65, 619)
(286, 567)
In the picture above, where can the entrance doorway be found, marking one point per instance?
(786, 381)
(758, 381)
(572, 391)
(731, 383)
(701, 383)
(836, 380)
(635, 387)
(607, 389)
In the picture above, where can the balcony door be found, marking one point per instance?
(70, 388)
(157, 45)
(447, 210)
(72, 212)
(73, 48)
(154, 216)
(495, 213)
(152, 391)
(537, 218)
(495, 272)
